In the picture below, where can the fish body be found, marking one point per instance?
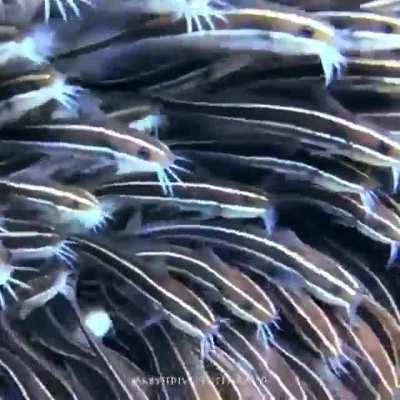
(178, 304)
(362, 32)
(379, 223)
(130, 153)
(241, 296)
(322, 133)
(58, 205)
(31, 91)
(210, 199)
(35, 245)
(273, 256)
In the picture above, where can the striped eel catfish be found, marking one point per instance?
(30, 91)
(362, 32)
(281, 258)
(239, 294)
(324, 132)
(73, 208)
(129, 152)
(210, 198)
(177, 304)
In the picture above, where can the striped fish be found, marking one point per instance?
(240, 295)
(33, 357)
(361, 268)
(291, 32)
(272, 30)
(323, 133)
(180, 306)
(370, 355)
(120, 370)
(378, 223)
(33, 245)
(226, 369)
(382, 6)
(388, 330)
(318, 375)
(8, 281)
(130, 152)
(362, 32)
(29, 385)
(54, 332)
(377, 75)
(91, 377)
(180, 370)
(74, 208)
(311, 323)
(281, 382)
(29, 92)
(211, 199)
(267, 257)
(304, 371)
(335, 176)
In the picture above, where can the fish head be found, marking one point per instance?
(363, 21)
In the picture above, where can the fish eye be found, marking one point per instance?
(387, 28)
(144, 153)
(306, 32)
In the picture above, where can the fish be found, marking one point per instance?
(33, 356)
(273, 30)
(29, 92)
(267, 256)
(240, 295)
(377, 75)
(118, 368)
(257, 356)
(228, 369)
(361, 267)
(326, 133)
(130, 152)
(46, 287)
(335, 176)
(361, 32)
(32, 245)
(28, 383)
(73, 208)
(178, 304)
(303, 370)
(370, 355)
(388, 331)
(54, 331)
(381, 6)
(180, 371)
(379, 223)
(312, 325)
(210, 198)
(291, 32)
(91, 377)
